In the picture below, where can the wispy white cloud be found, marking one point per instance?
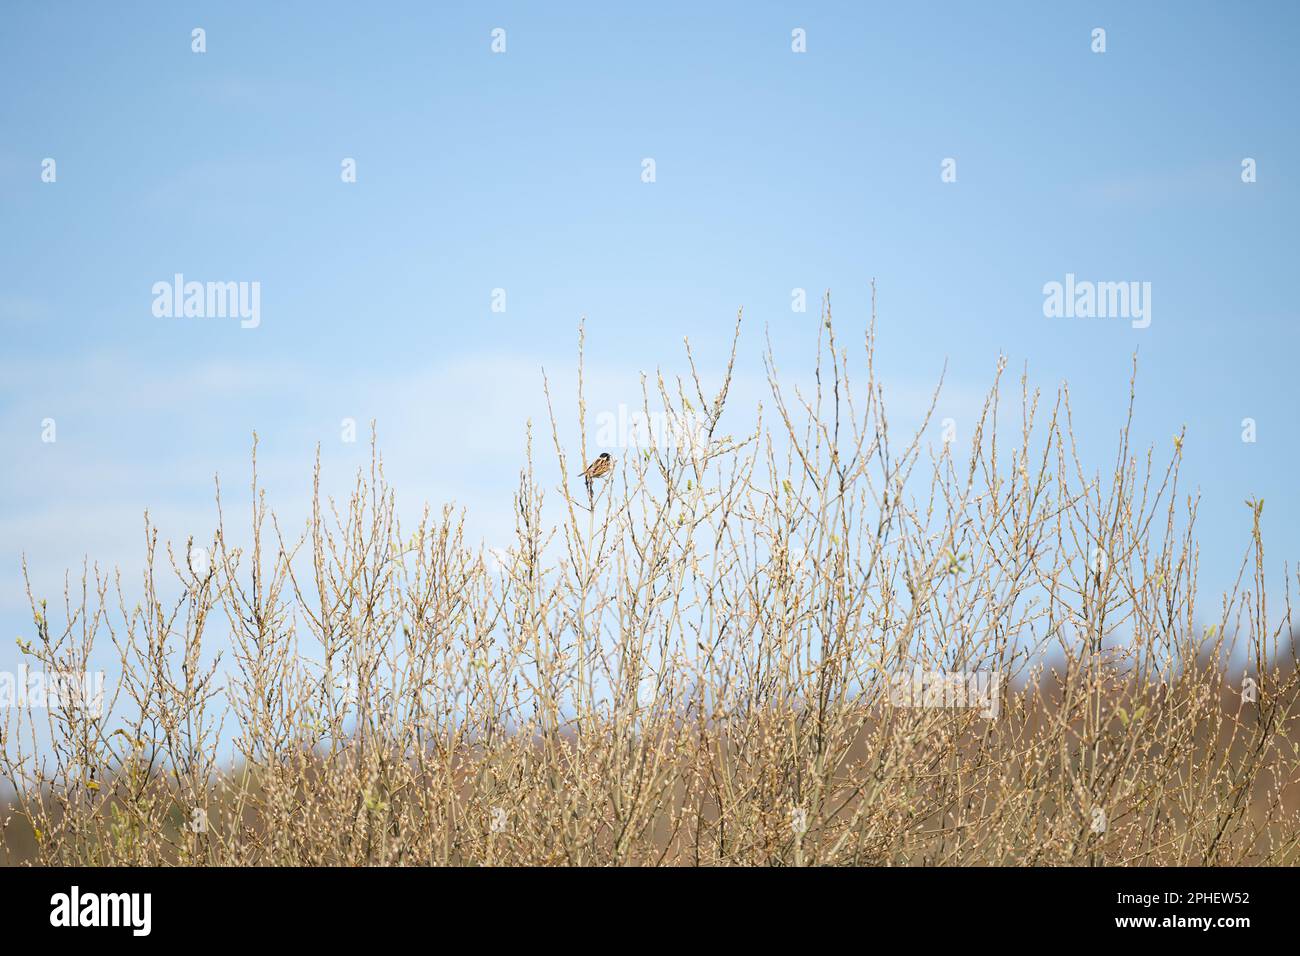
(1187, 186)
(17, 310)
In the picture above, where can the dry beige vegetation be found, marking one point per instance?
(694, 667)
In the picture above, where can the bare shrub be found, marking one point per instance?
(805, 644)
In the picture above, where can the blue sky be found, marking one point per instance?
(522, 171)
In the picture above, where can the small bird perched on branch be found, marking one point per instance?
(599, 468)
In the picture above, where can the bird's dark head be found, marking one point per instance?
(604, 456)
